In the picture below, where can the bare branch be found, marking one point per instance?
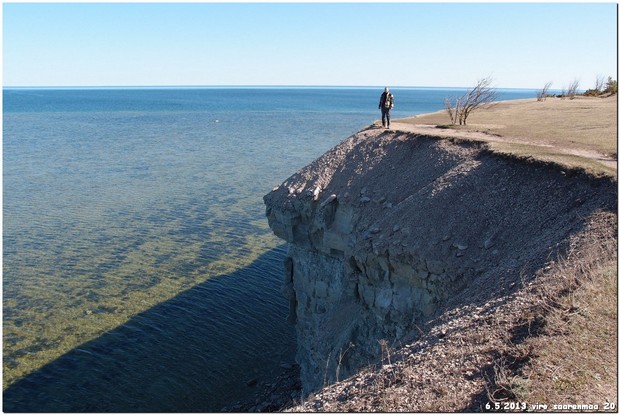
(451, 110)
(543, 93)
(482, 94)
(600, 82)
(572, 89)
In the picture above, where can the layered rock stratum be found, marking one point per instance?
(390, 229)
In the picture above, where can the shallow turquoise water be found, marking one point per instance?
(139, 273)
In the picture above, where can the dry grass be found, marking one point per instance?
(551, 130)
(555, 155)
(585, 122)
(575, 359)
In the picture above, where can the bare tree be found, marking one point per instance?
(482, 94)
(452, 111)
(598, 86)
(572, 89)
(543, 93)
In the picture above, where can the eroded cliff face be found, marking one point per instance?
(386, 227)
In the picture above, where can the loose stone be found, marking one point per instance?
(327, 201)
(316, 193)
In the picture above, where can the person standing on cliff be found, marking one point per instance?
(386, 103)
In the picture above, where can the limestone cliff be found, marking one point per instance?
(386, 227)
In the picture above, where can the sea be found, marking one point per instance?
(139, 273)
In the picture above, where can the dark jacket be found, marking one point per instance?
(386, 101)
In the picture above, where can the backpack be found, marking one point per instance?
(388, 103)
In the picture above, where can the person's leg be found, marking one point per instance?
(383, 116)
(387, 115)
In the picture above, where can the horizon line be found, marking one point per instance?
(240, 87)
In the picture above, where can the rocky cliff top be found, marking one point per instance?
(432, 197)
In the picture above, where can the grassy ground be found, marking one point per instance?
(578, 133)
(574, 358)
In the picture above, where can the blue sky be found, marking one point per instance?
(520, 45)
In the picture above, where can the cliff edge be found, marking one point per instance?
(390, 230)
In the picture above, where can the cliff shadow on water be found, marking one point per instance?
(389, 229)
(197, 352)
